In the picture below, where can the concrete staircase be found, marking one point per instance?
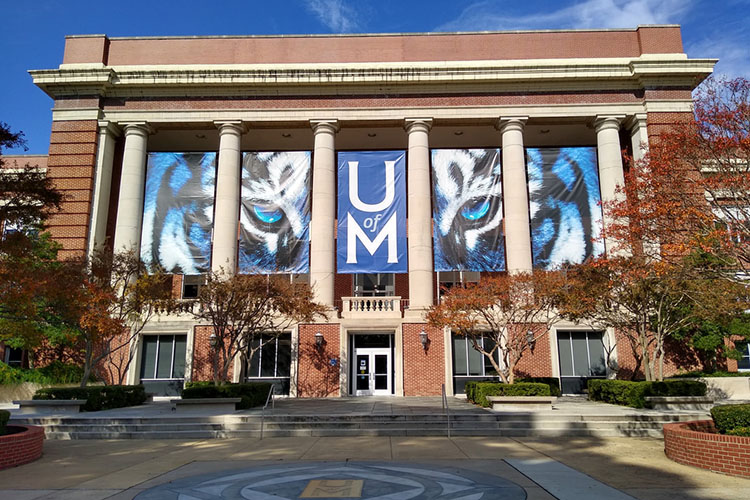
(238, 425)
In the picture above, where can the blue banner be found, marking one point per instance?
(371, 212)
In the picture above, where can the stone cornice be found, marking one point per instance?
(406, 77)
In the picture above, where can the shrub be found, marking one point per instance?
(627, 393)
(56, 372)
(731, 418)
(740, 431)
(251, 393)
(101, 397)
(469, 389)
(711, 374)
(552, 382)
(4, 417)
(483, 389)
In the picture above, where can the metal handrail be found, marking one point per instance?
(263, 410)
(447, 411)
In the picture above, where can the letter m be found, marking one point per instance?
(355, 232)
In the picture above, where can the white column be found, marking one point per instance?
(419, 215)
(132, 185)
(638, 135)
(105, 155)
(611, 175)
(322, 225)
(227, 210)
(515, 196)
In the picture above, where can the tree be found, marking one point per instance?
(513, 311)
(248, 311)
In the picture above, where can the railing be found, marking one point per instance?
(372, 307)
(447, 411)
(263, 410)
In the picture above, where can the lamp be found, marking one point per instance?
(319, 340)
(212, 341)
(530, 339)
(424, 339)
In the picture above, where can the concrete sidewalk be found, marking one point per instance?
(121, 469)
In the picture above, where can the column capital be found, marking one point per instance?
(225, 126)
(511, 123)
(110, 127)
(137, 128)
(325, 125)
(636, 121)
(414, 124)
(603, 122)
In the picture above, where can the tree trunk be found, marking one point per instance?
(87, 364)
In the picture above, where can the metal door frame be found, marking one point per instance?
(371, 352)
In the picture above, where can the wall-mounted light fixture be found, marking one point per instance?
(319, 340)
(530, 339)
(424, 339)
(212, 340)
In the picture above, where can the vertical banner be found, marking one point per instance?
(371, 212)
(564, 205)
(468, 210)
(275, 213)
(178, 211)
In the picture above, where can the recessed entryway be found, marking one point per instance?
(372, 363)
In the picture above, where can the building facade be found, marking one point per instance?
(380, 168)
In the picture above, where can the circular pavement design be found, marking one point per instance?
(367, 480)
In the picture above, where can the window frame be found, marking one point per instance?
(745, 354)
(156, 358)
(259, 353)
(389, 289)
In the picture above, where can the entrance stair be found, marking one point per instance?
(292, 418)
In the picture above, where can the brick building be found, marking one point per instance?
(236, 153)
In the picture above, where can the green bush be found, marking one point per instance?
(56, 372)
(4, 417)
(731, 417)
(469, 389)
(100, 397)
(740, 431)
(481, 390)
(251, 393)
(628, 393)
(711, 374)
(552, 382)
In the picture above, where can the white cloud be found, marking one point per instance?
(335, 14)
(731, 52)
(490, 15)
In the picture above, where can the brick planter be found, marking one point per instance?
(22, 447)
(698, 444)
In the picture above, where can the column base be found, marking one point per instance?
(417, 313)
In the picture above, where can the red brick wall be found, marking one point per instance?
(316, 377)
(71, 162)
(658, 123)
(343, 286)
(21, 448)
(697, 444)
(424, 371)
(203, 355)
(538, 363)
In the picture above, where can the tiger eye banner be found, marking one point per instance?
(178, 211)
(371, 212)
(564, 205)
(468, 210)
(275, 213)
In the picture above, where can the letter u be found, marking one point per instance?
(390, 188)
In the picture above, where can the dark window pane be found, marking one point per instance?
(459, 355)
(381, 364)
(580, 354)
(180, 347)
(596, 355)
(488, 368)
(148, 359)
(164, 361)
(475, 360)
(284, 356)
(381, 382)
(254, 369)
(744, 363)
(268, 359)
(563, 351)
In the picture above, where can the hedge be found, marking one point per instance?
(730, 419)
(251, 393)
(56, 372)
(711, 374)
(627, 393)
(477, 392)
(552, 382)
(4, 417)
(100, 397)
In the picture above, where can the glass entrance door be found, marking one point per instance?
(372, 371)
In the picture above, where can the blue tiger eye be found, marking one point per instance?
(267, 216)
(476, 210)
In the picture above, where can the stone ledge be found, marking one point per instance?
(222, 404)
(680, 402)
(50, 405)
(522, 402)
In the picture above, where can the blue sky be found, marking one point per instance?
(33, 32)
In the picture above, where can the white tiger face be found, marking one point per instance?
(275, 212)
(468, 210)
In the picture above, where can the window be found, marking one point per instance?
(581, 354)
(13, 356)
(449, 279)
(272, 361)
(744, 363)
(191, 285)
(374, 285)
(470, 364)
(163, 357)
